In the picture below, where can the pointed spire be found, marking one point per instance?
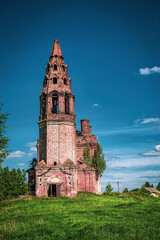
(56, 49)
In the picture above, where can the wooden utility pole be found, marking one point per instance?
(118, 185)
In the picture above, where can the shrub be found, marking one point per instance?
(125, 190)
(139, 192)
(109, 188)
(158, 186)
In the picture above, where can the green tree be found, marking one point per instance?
(12, 183)
(147, 184)
(98, 161)
(8, 183)
(109, 188)
(21, 181)
(1, 184)
(87, 156)
(125, 190)
(3, 139)
(158, 186)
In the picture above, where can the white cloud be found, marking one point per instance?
(21, 164)
(147, 120)
(155, 152)
(135, 162)
(33, 149)
(16, 154)
(155, 69)
(129, 179)
(147, 71)
(96, 105)
(157, 148)
(139, 128)
(32, 146)
(151, 177)
(132, 175)
(130, 168)
(19, 154)
(151, 153)
(31, 154)
(122, 131)
(144, 71)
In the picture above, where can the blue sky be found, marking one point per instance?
(112, 52)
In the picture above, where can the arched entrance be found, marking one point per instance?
(54, 190)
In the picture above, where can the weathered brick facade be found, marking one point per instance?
(60, 169)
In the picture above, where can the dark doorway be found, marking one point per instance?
(52, 190)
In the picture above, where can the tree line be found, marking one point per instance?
(109, 188)
(12, 182)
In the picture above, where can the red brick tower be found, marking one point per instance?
(57, 131)
(60, 169)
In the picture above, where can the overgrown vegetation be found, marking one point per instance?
(87, 216)
(97, 162)
(87, 159)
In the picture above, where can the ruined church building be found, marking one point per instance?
(60, 169)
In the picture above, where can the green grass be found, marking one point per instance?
(87, 216)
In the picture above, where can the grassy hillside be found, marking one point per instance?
(87, 216)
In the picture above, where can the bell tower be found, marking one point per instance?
(57, 129)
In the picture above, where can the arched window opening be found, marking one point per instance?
(63, 68)
(56, 56)
(55, 103)
(55, 163)
(55, 66)
(47, 68)
(65, 81)
(54, 80)
(45, 82)
(66, 104)
(43, 105)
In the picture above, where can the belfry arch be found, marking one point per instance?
(43, 105)
(67, 103)
(55, 103)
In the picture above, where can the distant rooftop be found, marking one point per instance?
(152, 190)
